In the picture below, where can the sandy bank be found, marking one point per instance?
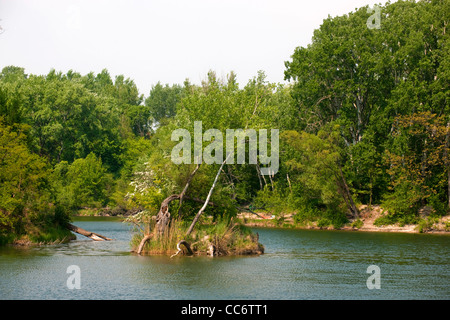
(367, 218)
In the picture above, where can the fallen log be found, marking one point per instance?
(94, 236)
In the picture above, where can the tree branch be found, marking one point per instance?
(207, 198)
(182, 194)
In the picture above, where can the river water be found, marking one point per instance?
(297, 264)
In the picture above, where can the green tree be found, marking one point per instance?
(24, 189)
(162, 101)
(363, 79)
(84, 183)
(418, 159)
(315, 167)
(69, 121)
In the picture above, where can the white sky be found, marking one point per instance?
(161, 40)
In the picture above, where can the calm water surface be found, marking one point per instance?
(298, 264)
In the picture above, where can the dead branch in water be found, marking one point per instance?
(92, 235)
(186, 244)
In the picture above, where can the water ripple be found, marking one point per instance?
(298, 264)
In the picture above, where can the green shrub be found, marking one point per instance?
(274, 201)
(338, 220)
(323, 222)
(357, 224)
(440, 206)
(427, 224)
(51, 235)
(385, 220)
(306, 214)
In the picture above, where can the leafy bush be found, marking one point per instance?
(357, 224)
(385, 220)
(306, 214)
(273, 201)
(403, 200)
(323, 222)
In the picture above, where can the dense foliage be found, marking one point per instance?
(364, 119)
(388, 91)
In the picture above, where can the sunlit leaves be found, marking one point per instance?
(23, 177)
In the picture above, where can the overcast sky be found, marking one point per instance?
(161, 40)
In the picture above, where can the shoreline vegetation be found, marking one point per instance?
(373, 219)
(369, 221)
(220, 238)
(230, 237)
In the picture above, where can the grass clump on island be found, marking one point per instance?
(225, 237)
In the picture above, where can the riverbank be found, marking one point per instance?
(56, 236)
(369, 220)
(365, 222)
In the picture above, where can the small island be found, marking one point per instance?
(161, 234)
(213, 239)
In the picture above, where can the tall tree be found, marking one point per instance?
(162, 101)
